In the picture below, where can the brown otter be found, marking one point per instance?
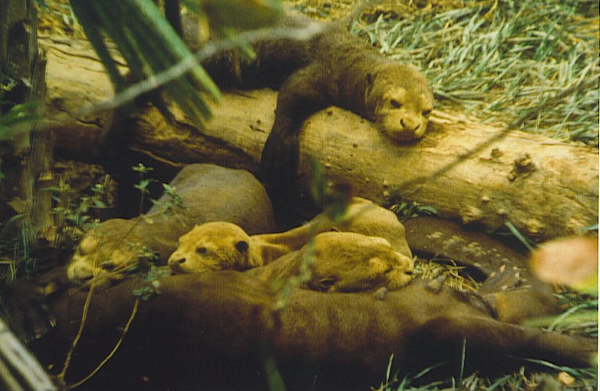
(208, 193)
(225, 246)
(221, 245)
(333, 67)
(212, 325)
(514, 292)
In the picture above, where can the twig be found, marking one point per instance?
(86, 307)
(114, 350)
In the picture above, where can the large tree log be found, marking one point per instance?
(544, 187)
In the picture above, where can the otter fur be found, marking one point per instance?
(225, 246)
(336, 261)
(212, 325)
(515, 293)
(332, 67)
(341, 262)
(208, 193)
(221, 245)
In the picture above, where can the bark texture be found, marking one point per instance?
(25, 155)
(544, 187)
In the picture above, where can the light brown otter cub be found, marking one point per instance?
(342, 262)
(225, 246)
(337, 261)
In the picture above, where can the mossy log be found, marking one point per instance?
(544, 187)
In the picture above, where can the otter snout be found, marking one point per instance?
(176, 261)
(409, 126)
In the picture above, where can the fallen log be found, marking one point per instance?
(544, 187)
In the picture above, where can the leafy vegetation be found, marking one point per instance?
(150, 282)
(405, 210)
(73, 211)
(149, 45)
(12, 121)
(15, 251)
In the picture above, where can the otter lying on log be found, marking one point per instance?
(214, 330)
(333, 67)
(225, 246)
(208, 193)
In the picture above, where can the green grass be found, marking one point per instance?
(524, 379)
(532, 59)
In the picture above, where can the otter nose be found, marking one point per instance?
(409, 126)
(176, 261)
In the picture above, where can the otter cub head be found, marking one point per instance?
(350, 262)
(398, 99)
(212, 246)
(106, 253)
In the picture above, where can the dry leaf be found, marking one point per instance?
(570, 261)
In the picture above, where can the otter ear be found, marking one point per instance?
(242, 246)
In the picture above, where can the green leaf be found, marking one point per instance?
(526, 242)
(150, 46)
(19, 115)
(237, 15)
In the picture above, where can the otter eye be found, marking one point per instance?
(201, 250)
(242, 246)
(395, 104)
(108, 265)
(426, 113)
(326, 283)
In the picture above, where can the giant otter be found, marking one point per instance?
(335, 261)
(510, 287)
(208, 192)
(220, 245)
(341, 262)
(215, 329)
(333, 67)
(225, 246)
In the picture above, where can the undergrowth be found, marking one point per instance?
(556, 378)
